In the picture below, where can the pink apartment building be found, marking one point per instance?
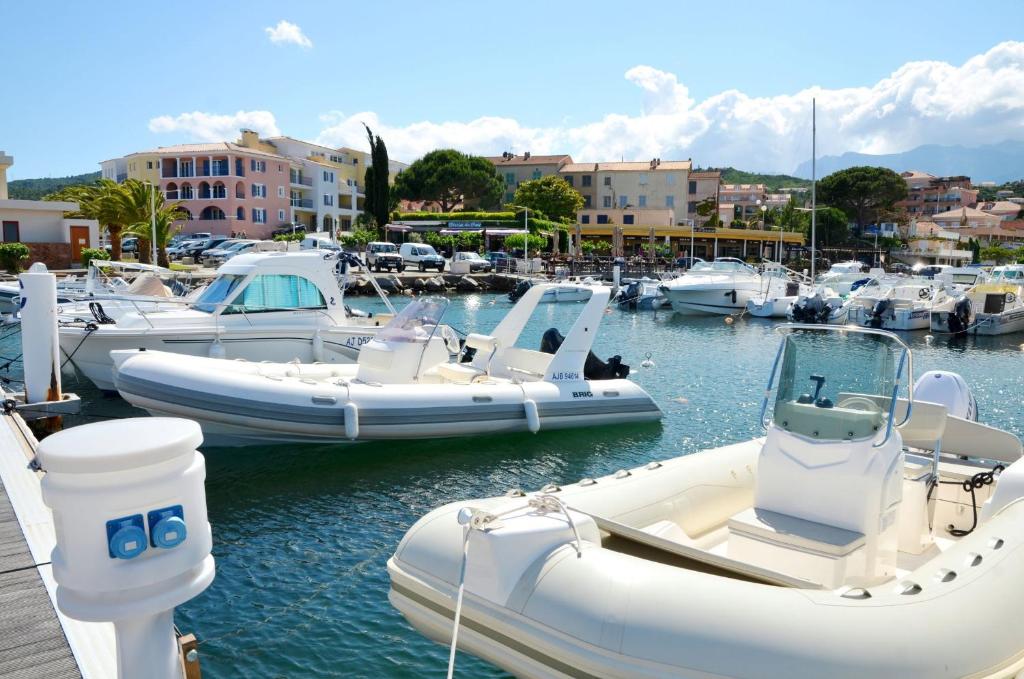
(226, 188)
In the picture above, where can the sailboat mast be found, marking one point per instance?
(814, 181)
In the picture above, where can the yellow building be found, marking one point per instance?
(654, 184)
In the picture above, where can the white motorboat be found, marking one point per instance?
(68, 289)
(994, 307)
(904, 304)
(842, 275)
(405, 385)
(723, 286)
(643, 294)
(558, 291)
(274, 306)
(811, 552)
(782, 288)
(821, 305)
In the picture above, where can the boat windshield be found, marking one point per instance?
(836, 386)
(725, 265)
(1008, 275)
(416, 322)
(216, 292)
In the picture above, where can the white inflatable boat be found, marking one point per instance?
(405, 384)
(861, 538)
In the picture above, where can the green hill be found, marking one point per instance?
(772, 182)
(34, 189)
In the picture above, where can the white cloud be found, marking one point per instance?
(287, 33)
(980, 101)
(200, 126)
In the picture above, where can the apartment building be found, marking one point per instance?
(702, 185)
(255, 185)
(514, 170)
(655, 184)
(928, 195)
(965, 217)
(745, 199)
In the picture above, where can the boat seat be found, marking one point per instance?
(485, 347)
(804, 549)
(460, 373)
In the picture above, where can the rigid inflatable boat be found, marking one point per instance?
(405, 384)
(865, 536)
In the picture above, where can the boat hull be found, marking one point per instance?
(770, 308)
(717, 300)
(240, 403)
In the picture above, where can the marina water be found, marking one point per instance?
(302, 534)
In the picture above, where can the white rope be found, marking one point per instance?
(458, 601)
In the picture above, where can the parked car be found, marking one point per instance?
(421, 255)
(501, 261)
(198, 246)
(224, 254)
(130, 244)
(900, 267)
(174, 251)
(383, 255)
(223, 247)
(687, 262)
(314, 243)
(469, 262)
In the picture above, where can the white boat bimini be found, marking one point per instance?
(720, 287)
(844, 544)
(274, 306)
(405, 385)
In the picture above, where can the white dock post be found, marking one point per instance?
(133, 540)
(616, 273)
(40, 348)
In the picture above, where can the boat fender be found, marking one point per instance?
(217, 349)
(318, 347)
(351, 411)
(532, 415)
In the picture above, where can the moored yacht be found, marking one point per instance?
(993, 307)
(723, 286)
(781, 289)
(848, 521)
(276, 306)
(841, 276)
(901, 304)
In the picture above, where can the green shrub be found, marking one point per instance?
(357, 238)
(12, 255)
(527, 242)
(298, 236)
(89, 254)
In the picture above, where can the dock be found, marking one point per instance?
(39, 641)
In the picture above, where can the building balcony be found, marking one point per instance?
(301, 181)
(302, 203)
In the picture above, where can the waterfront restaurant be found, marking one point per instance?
(636, 227)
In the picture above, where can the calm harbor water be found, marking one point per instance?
(302, 534)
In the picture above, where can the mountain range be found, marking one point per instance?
(998, 163)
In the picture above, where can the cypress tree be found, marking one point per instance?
(376, 187)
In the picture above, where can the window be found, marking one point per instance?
(536, 174)
(602, 219)
(510, 177)
(691, 206)
(587, 201)
(641, 201)
(240, 214)
(568, 179)
(584, 219)
(259, 190)
(586, 180)
(12, 234)
(217, 292)
(607, 202)
(670, 201)
(623, 201)
(258, 165)
(239, 168)
(328, 177)
(643, 178)
(670, 179)
(259, 215)
(328, 200)
(607, 181)
(272, 292)
(280, 215)
(509, 197)
(693, 187)
(280, 192)
(149, 164)
(627, 219)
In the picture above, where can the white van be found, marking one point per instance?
(421, 255)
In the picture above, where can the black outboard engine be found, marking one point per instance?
(594, 368)
(519, 290)
(875, 316)
(959, 319)
(811, 309)
(630, 297)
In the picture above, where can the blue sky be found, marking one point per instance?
(723, 83)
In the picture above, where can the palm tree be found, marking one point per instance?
(138, 201)
(102, 201)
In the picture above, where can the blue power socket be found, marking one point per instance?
(126, 537)
(167, 527)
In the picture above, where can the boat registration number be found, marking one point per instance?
(356, 342)
(565, 377)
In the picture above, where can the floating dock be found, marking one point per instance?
(39, 640)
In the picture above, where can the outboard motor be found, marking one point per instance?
(594, 368)
(630, 297)
(811, 309)
(948, 389)
(877, 313)
(959, 319)
(519, 290)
